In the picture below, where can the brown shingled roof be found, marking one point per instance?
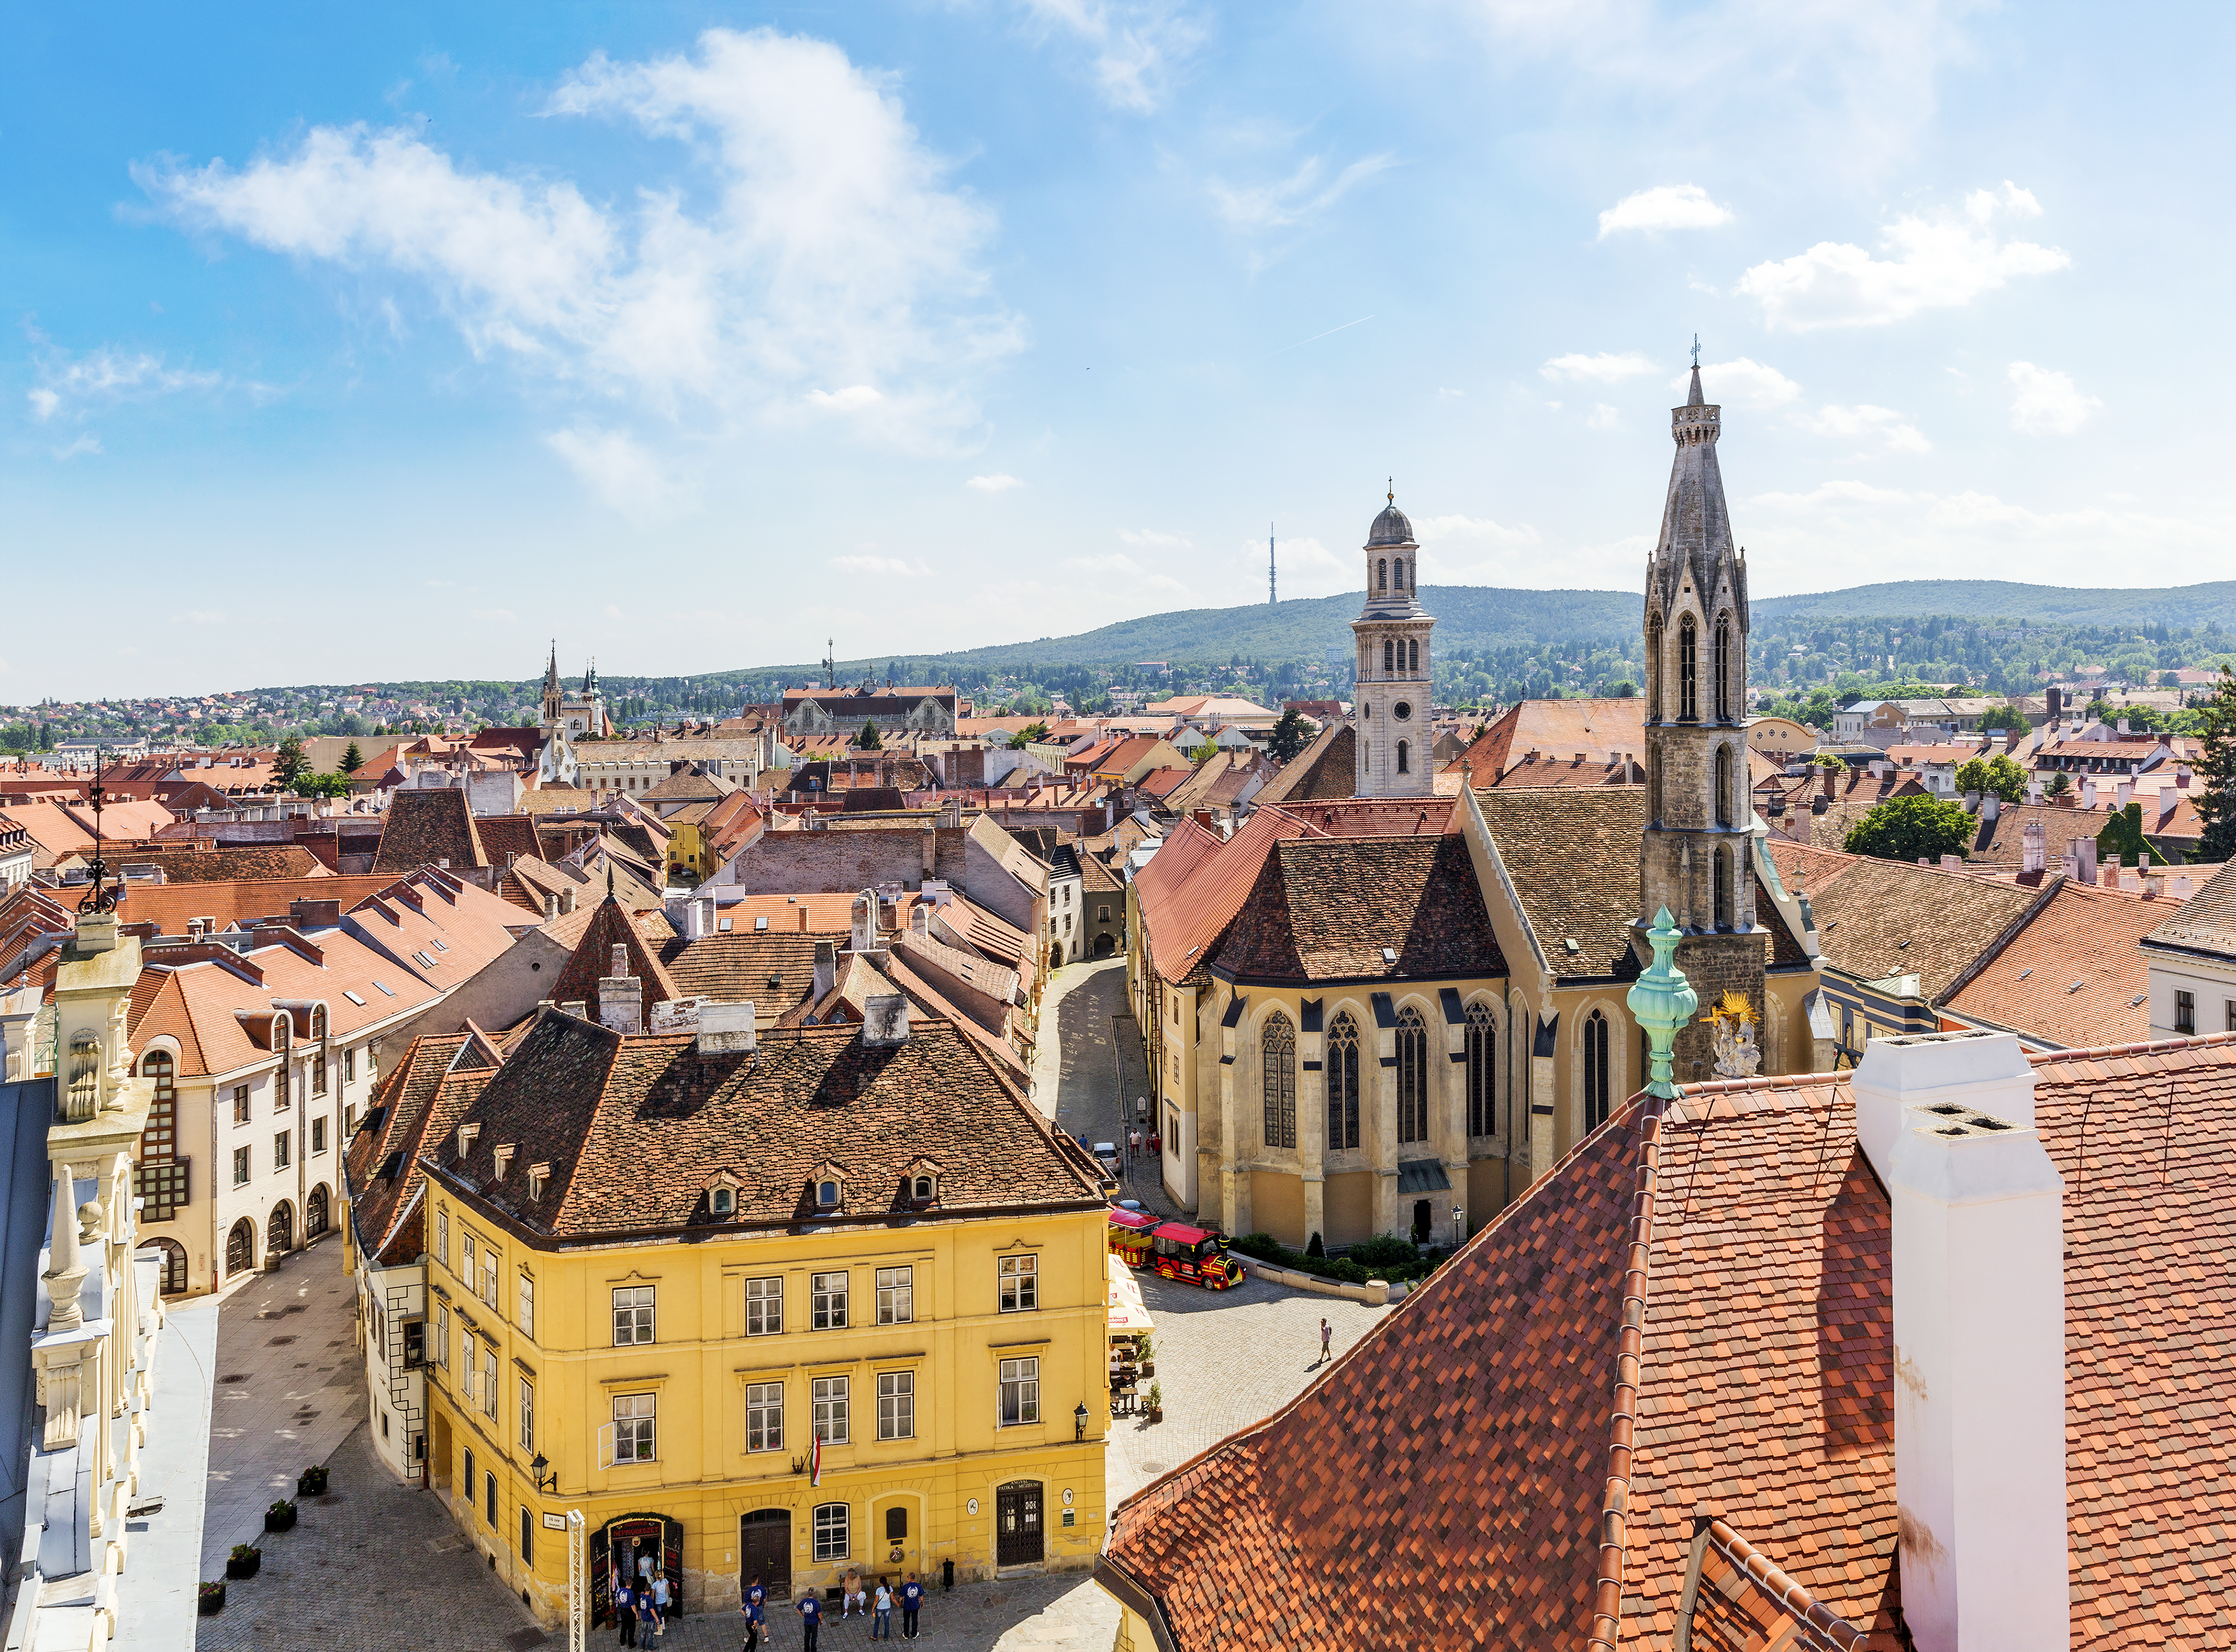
(1884, 918)
(1324, 909)
(425, 826)
(2075, 975)
(1327, 769)
(2206, 922)
(1573, 859)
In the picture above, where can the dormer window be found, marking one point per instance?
(827, 1195)
(537, 1176)
(723, 1202)
(503, 1155)
(923, 1191)
(466, 1134)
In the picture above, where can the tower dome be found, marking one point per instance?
(1391, 528)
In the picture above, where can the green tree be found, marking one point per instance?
(320, 785)
(2122, 838)
(291, 763)
(2216, 767)
(1289, 735)
(2060, 784)
(1905, 829)
(1025, 736)
(2004, 717)
(1998, 774)
(1205, 752)
(352, 759)
(867, 740)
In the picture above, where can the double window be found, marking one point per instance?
(1482, 1070)
(1412, 1076)
(829, 1396)
(896, 1295)
(897, 1404)
(1278, 1048)
(765, 1416)
(527, 1415)
(1342, 1083)
(1596, 1085)
(826, 1302)
(634, 1417)
(1021, 1392)
(442, 1237)
(441, 1336)
(527, 1305)
(632, 1315)
(240, 1167)
(2185, 1012)
(830, 1527)
(1021, 1285)
(282, 1156)
(764, 1307)
(241, 1104)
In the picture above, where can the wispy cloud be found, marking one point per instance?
(1116, 570)
(1667, 206)
(1137, 46)
(999, 482)
(890, 567)
(87, 444)
(1305, 194)
(1601, 418)
(852, 399)
(1605, 368)
(1939, 262)
(77, 386)
(1153, 539)
(1882, 426)
(2047, 403)
(620, 471)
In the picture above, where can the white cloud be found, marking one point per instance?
(894, 566)
(1668, 206)
(1740, 383)
(1152, 539)
(998, 482)
(504, 616)
(1882, 425)
(86, 443)
(834, 250)
(1605, 368)
(1601, 418)
(2047, 403)
(1435, 530)
(1302, 196)
(1829, 494)
(852, 399)
(1117, 571)
(1940, 262)
(1137, 44)
(206, 616)
(620, 471)
(106, 376)
(1444, 393)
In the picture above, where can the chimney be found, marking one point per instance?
(2088, 794)
(1952, 863)
(1947, 1119)
(566, 901)
(1991, 808)
(885, 1020)
(826, 969)
(2034, 855)
(1203, 818)
(314, 915)
(2122, 792)
(621, 1002)
(2084, 853)
(550, 905)
(1827, 793)
(920, 921)
(726, 1029)
(2110, 877)
(2181, 776)
(2123, 725)
(2034, 793)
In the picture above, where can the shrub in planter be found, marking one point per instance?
(1347, 1271)
(1382, 1251)
(312, 1482)
(1264, 1246)
(1313, 1247)
(211, 1600)
(280, 1517)
(1155, 1397)
(243, 1561)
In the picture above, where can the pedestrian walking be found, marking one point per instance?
(811, 1620)
(625, 1611)
(660, 1594)
(881, 1613)
(648, 1625)
(754, 1612)
(1327, 1337)
(911, 1602)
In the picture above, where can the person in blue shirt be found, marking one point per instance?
(625, 1610)
(756, 1614)
(811, 1619)
(912, 1601)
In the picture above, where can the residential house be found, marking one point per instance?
(2191, 959)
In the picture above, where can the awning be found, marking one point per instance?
(1130, 1316)
(1423, 1176)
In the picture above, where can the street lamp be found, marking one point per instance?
(544, 1481)
(1079, 1421)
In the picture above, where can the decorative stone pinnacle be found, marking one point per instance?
(1662, 1001)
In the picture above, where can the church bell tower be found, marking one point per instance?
(1390, 710)
(1699, 850)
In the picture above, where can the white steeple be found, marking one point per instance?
(1391, 703)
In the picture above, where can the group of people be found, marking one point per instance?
(641, 1603)
(854, 1597)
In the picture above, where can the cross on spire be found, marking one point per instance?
(1696, 350)
(1392, 495)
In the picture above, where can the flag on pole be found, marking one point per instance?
(815, 1463)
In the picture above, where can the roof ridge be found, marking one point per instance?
(1607, 1606)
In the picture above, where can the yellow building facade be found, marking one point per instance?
(939, 1325)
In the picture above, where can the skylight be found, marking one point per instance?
(353, 998)
(423, 961)
(384, 987)
(760, 922)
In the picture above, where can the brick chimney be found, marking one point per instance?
(826, 969)
(1977, 1244)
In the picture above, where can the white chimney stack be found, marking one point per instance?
(725, 1029)
(2088, 794)
(1947, 1119)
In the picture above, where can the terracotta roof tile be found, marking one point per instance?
(426, 826)
(1324, 909)
(1573, 859)
(2074, 975)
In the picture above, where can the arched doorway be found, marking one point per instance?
(1056, 954)
(765, 1551)
(618, 1548)
(314, 1213)
(279, 1231)
(173, 1280)
(241, 1246)
(1018, 1537)
(1105, 944)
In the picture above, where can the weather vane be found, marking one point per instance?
(1696, 350)
(102, 898)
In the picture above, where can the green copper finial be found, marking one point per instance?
(1663, 1000)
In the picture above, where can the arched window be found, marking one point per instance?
(1653, 669)
(1389, 657)
(1482, 1070)
(1723, 668)
(84, 1076)
(1596, 1082)
(1381, 574)
(1403, 764)
(1279, 1046)
(1413, 657)
(279, 1231)
(1342, 1083)
(160, 1141)
(1401, 574)
(1723, 889)
(1412, 1077)
(1723, 785)
(174, 1265)
(316, 1212)
(241, 1246)
(1688, 671)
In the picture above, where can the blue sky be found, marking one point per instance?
(360, 343)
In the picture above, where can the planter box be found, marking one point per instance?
(1156, 1413)
(235, 1568)
(1375, 1291)
(311, 1485)
(276, 1520)
(213, 1602)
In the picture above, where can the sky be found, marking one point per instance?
(380, 343)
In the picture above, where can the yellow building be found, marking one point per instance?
(661, 1269)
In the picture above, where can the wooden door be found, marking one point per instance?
(1018, 1523)
(765, 1551)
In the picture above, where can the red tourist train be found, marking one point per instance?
(1174, 1249)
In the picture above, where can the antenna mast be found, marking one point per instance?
(1272, 594)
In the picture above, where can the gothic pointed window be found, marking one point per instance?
(1389, 657)
(1482, 1070)
(1723, 810)
(1279, 1044)
(1412, 1077)
(1597, 1085)
(1723, 668)
(1654, 670)
(1688, 671)
(1723, 889)
(1403, 764)
(1381, 574)
(1342, 1083)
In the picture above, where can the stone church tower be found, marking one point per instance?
(1698, 855)
(1390, 712)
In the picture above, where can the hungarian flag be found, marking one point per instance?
(815, 1463)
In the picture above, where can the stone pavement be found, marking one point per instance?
(1089, 1073)
(290, 1387)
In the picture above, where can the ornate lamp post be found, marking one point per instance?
(1662, 1000)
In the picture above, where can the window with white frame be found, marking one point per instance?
(765, 1416)
(442, 1237)
(441, 1336)
(466, 1257)
(489, 1379)
(764, 1307)
(826, 1302)
(830, 1523)
(830, 1397)
(527, 1415)
(1021, 1392)
(527, 1305)
(1021, 1292)
(632, 1428)
(632, 1315)
(896, 1295)
(467, 1370)
(488, 1279)
(897, 1404)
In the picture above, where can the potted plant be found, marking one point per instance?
(280, 1517)
(1156, 1399)
(243, 1561)
(312, 1482)
(211, 1601)
(1146, 1354)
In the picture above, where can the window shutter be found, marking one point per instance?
(605, 1446)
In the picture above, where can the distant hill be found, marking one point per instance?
(2179, 605)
